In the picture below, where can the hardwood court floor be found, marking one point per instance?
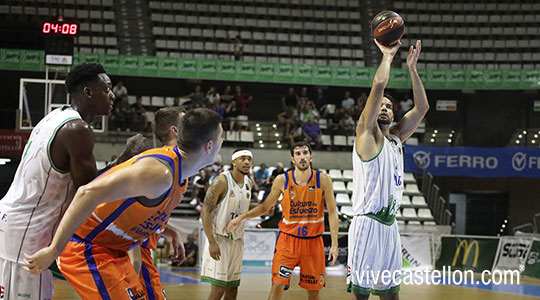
(256, 286)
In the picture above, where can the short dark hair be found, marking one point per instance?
(300, 144)
(165, 118)
(198, 126)
(83, 74)
(390, 98)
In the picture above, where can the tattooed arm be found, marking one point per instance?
(214, 193)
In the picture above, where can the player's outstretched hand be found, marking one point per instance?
(414, 52)
(387, 50)
(233, 224)
(134, 145)
(179, 253)
(39, 261)
(215, 253)
(333, 255)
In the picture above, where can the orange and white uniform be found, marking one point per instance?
(95, 261)
(149, 275)
(300, 238)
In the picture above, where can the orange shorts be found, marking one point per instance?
(97, 272)
(308, 253)
(149, 277)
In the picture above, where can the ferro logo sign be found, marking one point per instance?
(467, 250)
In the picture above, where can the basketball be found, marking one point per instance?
(387, 27)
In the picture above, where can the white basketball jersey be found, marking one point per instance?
(235, 202)
(39, 194)
(378, 182)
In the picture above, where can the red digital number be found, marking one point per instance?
(65, 28)
(73, 29)
(46, 27)
(54, 27)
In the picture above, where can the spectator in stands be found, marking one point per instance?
(288, 118)
(197, 97)
(321, 102)
(231, 115)
(312, 133)
(120, 90)
(201, 183)
(262, 180)
(295, 135)
(347, 124)
(191, 250)
(309, 111)
(303, 96)
(359, 107)
(277, 171)
(290, 100)
(212, 96)
(227, 96)
(405, 106)
(122, 114)
(238, 48)
(217, 108)
(176, 101)
(139, 120)
(218, 164)
(242, 100)
(348, 102)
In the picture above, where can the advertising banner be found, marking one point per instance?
(417, 254)
(468, 253)
(513, 251)
(12, 143)
(473, 161)
(532, 264)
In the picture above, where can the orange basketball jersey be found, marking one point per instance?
(303, 206)
(125, 223)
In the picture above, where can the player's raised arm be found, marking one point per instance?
(333, 220)
(273, 196)
(124, 183)
(408, 124)
(368, 118)
(214, 193)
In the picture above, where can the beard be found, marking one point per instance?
(243, 172)
(299, 166)
(384, 121)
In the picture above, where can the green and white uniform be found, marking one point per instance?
(32, 208)
(374, 242)
(226, 272)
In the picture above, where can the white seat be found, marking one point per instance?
(419, 200)
(425, 213)
(226, 168)
(335, 174)
(343, 199)
(256, 169)
(145, 100)
(100, 165)
(340, 140)
(326, 140)
(414, 223)
(350, 140)
(409, 213)
(132, 100)
(429, 223)
(158, 101)
(339, 187)
(169, 101)
(412, 188)
(398, 213)
(246, 136)
(348, 174)
(347, 210)
(350, 186)
(150, 116)
(323, 123)
(232, 136)
(405, 200)
(409, 178)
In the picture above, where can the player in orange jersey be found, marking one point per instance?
(149, 186)
(165, 127)
(305, 192)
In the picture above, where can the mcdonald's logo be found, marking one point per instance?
(467, 248)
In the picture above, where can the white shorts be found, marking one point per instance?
(17, 284)
(374, 250)
(225, 272)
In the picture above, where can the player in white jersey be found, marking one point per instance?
(57, 159)
(374, 242)
(227, 197)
